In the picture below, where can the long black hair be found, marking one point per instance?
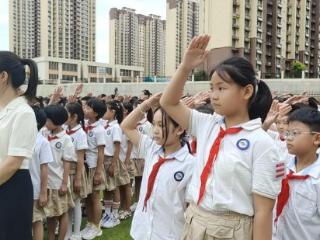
(15, 67)
(165, 122)
(117, 107)
(76, 108)
(241, 71)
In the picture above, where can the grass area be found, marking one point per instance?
(120, 232)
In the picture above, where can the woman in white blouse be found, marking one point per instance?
(17, 138)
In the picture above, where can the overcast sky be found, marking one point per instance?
(146, 7)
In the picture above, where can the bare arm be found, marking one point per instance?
(170, 100)
(100, 158)
(129, 124)
(80, 166)
(66, 172)
(44, 184)
(116, 153)
(128, 153)
(262, 222)
(9, 167)
(97, 179)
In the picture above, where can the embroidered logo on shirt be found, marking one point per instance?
(178, 176)
(280, 170)
(58, 145)
(90, 134)
(108, 132)
(243, 144)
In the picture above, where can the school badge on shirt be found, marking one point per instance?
(243, 144)
(58, 145)
(178, 176)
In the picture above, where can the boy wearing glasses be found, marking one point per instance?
(297, 211)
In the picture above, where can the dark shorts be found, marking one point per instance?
(16, 205)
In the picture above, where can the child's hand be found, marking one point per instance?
(201, 98)
(273, 113)
(78, 90)
(153, 101)
(97, 178)
(43, 199)
(72, 99)
(127, 163)
(188, 101)
(284, 109)
(296, 99)
(111, 170)
(57, 93)
(76, 185)
(196, 52)
(63, 189)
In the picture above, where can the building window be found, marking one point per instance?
(53, 76)
(53, 65)
(69, 67)
(69, 78)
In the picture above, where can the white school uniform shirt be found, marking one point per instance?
(95, 138)
(300, 217)
(79, 138)
(282, 145)
(42, 155)
(123, 147)
(112, 134)
(144, 127)
(164, 216)
(18, 131)
(246, 164)
(62, 150)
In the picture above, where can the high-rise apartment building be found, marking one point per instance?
(270, 33)
(137, 40)
(53, 28)
(182, 25)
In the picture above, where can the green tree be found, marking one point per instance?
(201, 75)
(297, 68)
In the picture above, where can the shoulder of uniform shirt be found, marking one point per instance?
(99, 127)
(262, 138)
(41, 139)
(67, 137)
(81, 132)
(314, 171)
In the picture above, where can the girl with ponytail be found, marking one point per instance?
(18, 131)
(234, 184)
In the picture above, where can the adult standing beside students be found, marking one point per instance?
(18, 130)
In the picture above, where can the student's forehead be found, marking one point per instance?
(216, 79)
(157, 116)
(297, 125)
(283, 119)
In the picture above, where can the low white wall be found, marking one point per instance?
(295, 86)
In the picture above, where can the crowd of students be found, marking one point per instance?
(233, 162)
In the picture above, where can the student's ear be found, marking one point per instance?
(4, 77)
(317, 139)
(179, 131)
(248, 92)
